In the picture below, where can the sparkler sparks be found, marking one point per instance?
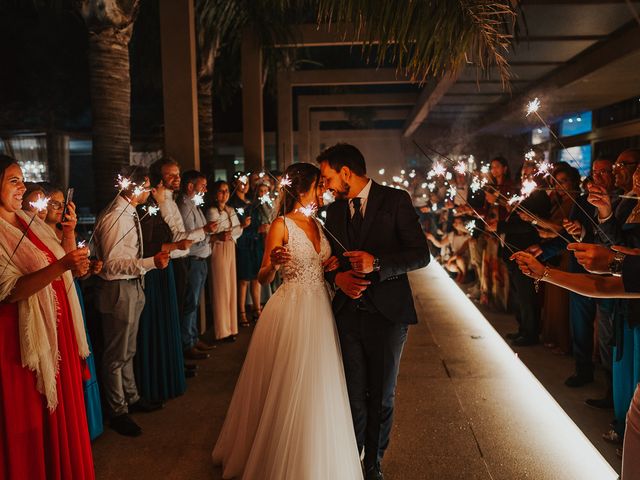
(530, 155)
(453, 191)
(139, 190)
(533, 106)
(198, 199)
(123, 182)
(381, 171)
(484, 169)
(328, 197)
(40, 204)
(544, 168)
(243, 179)
(470, 226)
(438, 170)
(240, 211)
(152, 210)
(528, 187)
(308, 210)
(266, 200)
(460, 168)
(81, 244)
(285, 182)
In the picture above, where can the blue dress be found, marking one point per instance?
(158, 363)
(250, 245)
(91, 389)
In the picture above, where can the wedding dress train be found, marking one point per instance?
(289, 418)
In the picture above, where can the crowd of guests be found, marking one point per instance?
(136, 285)
(560, 225)
(165, 241)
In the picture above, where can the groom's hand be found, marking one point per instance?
(353, 284)
(361, 262)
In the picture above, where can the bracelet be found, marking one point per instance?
(536, 282)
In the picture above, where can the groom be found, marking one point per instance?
(373, 305)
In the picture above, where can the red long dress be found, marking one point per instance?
(34, 443)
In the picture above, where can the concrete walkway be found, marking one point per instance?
(467, 408)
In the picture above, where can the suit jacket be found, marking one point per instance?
(391, 232)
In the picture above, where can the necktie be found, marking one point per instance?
(136, 220)
(356, 219)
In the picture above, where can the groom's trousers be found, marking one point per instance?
(371, 350)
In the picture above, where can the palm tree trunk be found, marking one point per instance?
(205, 124)
(111, 109)
(206, 57)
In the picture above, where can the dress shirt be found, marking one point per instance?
(171, 215)
(193, 219)
(119, 242)
(363, 195)
(227, 220)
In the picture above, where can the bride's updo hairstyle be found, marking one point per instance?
(302, 177)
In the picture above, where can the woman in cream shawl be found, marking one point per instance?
(43, 429)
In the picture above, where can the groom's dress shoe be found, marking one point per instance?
(374, 473)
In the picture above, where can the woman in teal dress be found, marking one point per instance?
(158, 364)
(91, 390)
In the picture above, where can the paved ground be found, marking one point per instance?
(466, 408)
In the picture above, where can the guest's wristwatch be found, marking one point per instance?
(376, 264)
(615, 266)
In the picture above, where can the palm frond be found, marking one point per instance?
(430, 38)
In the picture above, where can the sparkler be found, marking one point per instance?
(484, 169)
(38, 205)
(266, 200)
(240, 210)
(381, 171)
(466, 202)
(81, 244)
(284, 184)
(453, 191)
(533, 106)
(530, 155)
(460, 168)
(438, 170)
(308, 210)
(470, 226)
(328, 197)
(150, 210)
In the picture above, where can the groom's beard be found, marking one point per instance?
(344, 190)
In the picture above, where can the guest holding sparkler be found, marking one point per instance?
(120, 298)
(622, 227)
(555, 309)
(222, 280)
(582, 225)
(519, 234)
(159, 364)
(249, 249)
(193, 188)
(494, 283)
(167, 171)
(61, 229)
(43, 426)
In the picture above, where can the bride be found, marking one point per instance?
(289, 417)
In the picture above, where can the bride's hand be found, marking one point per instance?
(331, 264)
(279, 256)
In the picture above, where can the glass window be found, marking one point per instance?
(539, 135)
(575, 124)
(578, 157)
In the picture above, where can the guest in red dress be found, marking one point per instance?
(43, 427)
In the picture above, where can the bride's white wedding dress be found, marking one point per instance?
(289, 417)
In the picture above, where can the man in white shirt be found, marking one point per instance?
(120, 299)
(194, 183)
(167, 171)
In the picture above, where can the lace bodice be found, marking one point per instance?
(305, 267)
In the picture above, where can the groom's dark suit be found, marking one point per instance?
(373, 328)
